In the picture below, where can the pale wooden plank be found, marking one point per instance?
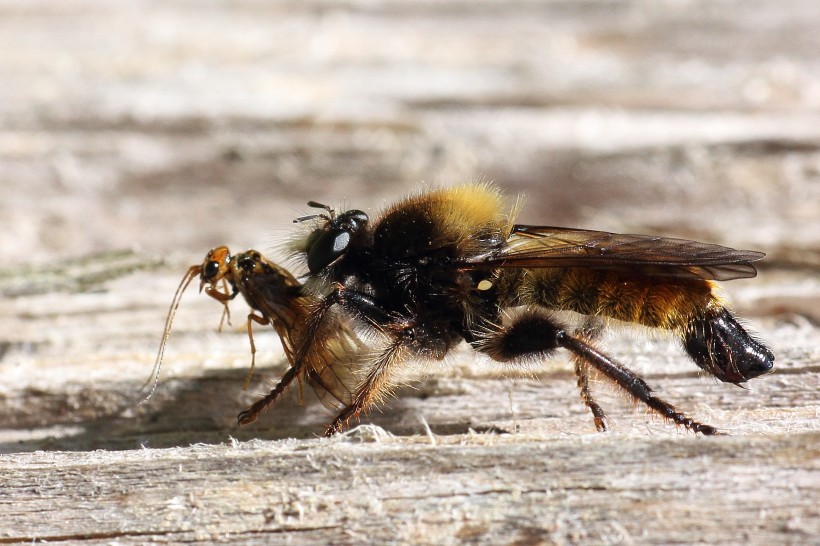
(172, 128)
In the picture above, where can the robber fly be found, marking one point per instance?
(451, 265)
(276, 298)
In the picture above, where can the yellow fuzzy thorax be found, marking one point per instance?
(461, 211)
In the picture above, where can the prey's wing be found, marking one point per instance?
(330, 364)
(334, 369)
(646, 255)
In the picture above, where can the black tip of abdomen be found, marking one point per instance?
(719, 345)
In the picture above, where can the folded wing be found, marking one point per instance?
(547, 246)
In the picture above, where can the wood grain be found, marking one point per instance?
(136, 136)
(377, 488)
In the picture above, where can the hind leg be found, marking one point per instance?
(535, 333)
(690, 309)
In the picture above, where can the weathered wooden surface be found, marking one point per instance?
(473, 488)
(136, 136)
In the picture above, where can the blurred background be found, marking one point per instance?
(171, 127)
(136, 135)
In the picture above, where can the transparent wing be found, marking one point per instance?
(330, 365)
(547, 246)
(334, 368)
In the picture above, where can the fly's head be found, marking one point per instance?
(331, 240)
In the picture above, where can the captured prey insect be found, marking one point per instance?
(276, 298)
(450, 265)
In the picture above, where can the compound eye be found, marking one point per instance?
(327, 248)
(210, 271)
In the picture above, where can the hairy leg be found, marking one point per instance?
(536, 333)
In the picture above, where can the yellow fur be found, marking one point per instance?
(656, 302)
(459, 211)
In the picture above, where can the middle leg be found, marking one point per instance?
(588, 332)
(376, 386)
